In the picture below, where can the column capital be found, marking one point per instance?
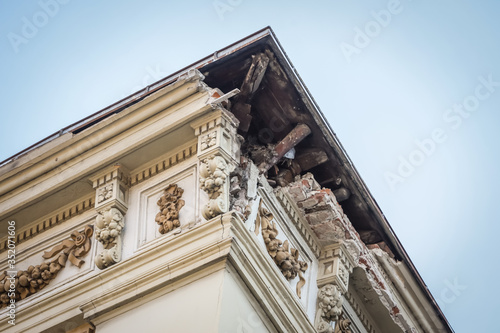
(335, 266)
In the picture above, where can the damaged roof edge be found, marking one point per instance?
(355, 176)
(146, 91)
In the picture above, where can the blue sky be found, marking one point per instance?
(412, 90)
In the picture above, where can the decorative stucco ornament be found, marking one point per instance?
(109, 226)
(170, 205)
(35, 278)
(329, 307)
(343, 326)
(208, 140)
(213, 180)
(286, 258)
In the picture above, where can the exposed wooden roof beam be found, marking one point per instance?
(291, 140)
(241, 108)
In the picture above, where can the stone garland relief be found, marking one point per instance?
(35, 278)
(170, 205)
(286, 258)
(329, 308)
(213, 176)
(109, 226)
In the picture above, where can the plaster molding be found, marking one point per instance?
(285, 258)
(54, 219)
(163, 164)
(360, 313)
(17, 285)
(218, 153)
(214, 174)
(264, 279)
(111, 186)
(295, 216)
(101, 292)
(105, 142)
(335, 265)
(85, 328)
(329, 308)
(342, 326)
(170, 204)
(403, 284)
(109, 225)
(217, 129)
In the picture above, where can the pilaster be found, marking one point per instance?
(111, 187)
(335, 266)
(218, 154)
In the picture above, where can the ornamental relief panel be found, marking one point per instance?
(17, 285)
(283, 255)
(214, 173)
(109, 226)
(165, 206)
(329, 307)
(170, 205)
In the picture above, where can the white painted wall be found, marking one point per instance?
(193, 308)
(238, 309)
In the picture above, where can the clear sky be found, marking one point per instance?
(412, 89)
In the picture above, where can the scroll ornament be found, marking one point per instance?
(213, 176)
(35, 278)
(342, 326)
(286, 258)
(170, 205)
(329, 308)
(109, 224)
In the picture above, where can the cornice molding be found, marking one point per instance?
(260, 273)
(302, 226)
(54, 219)
(104, 143)
(164, 164)
(360, 313)
(156, 270)
(151, 268)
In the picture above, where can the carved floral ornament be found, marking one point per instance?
(213, 180)
(109, 226)
(170, 205)
(35, 278)
(329, 308)
(286, 258)
(208, 140)
(104, 193)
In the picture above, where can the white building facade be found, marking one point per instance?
(215, 200)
